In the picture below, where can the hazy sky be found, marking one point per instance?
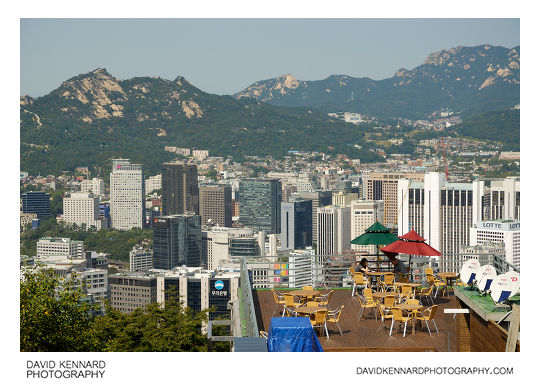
(223, 56)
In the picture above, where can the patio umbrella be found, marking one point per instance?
(376, 234)
(410, 243)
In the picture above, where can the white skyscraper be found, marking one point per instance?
(127, 195)
(506, 232)
(83, 208)
(333, 230)
(439, 211)
(365, 213)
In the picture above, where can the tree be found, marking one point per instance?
(54, 315)
(155, 328)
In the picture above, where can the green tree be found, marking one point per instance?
(54, 314)
(155, 328)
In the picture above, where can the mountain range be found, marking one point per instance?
(94, 117)
(482, 77)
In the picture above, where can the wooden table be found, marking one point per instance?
(449, 277)
(409, 307)
(305, 293)
(309, 309)
(373, 275)
(383, 294)
(413, 285)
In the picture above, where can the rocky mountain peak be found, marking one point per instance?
(288, 81)
(27, 100)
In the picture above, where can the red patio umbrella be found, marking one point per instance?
(410, 243)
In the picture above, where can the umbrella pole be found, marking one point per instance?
(377, 258)
(410, 272)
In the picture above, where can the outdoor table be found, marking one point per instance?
(292, 334)
(309, 309)
(305, 293)
(413, 285)
(373, 275)
(449, 277)
(382, 294)
(409, 307)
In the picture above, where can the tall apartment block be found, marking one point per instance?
(177, 240)
(384, 186)
(215, 204)
(318, 199)
(501, 198)
(127, 195)
(296, 224)
(441, 212)
(38, 202)
(334, 230)
(180, 188)
(365, 213)
(83, 208)
(260, 204)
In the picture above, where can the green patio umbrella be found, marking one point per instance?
(377, 235)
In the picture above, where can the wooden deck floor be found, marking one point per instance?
(367, 334)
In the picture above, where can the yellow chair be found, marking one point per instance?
(429, 315)
(386, 281)
(431, 279)
(319, 320)
(426, 292)
(397, 317)
(290, 312)
(413, 301)
(358, 280)
(405, 292)
(384, 312)
(366, 303)
(403, 278)
(289, 302)
(278, 298)
(324, 299)
(389, 301)
(368, 294)
(308, 297)
(312, 304)
(263, 334)
(333, 317)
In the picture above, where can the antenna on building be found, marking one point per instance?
(484, 277)
(468, 271)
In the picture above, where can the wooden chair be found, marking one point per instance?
(278, 298)
(333, 317)
(324, 299)
(365, 304)
(319, 320)
(397, 317)
(429, 315)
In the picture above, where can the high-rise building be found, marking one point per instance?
(296, 224)
(440, 212)
(334, 230)
(380, 185)
(177, 240)
(216, 205)
(140, 259)
(60, 247)
(129, 291)
(152, 183)
(180, 188)
(83, 208)
(365, 213)
(38, 202)
(502, 199)
(96, 186)
(127, 195)
(500, 231)
(342, 198)
(318, 199)
(260, 204)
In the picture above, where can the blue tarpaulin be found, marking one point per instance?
(292, 334)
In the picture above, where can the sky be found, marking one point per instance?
(223, 56)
